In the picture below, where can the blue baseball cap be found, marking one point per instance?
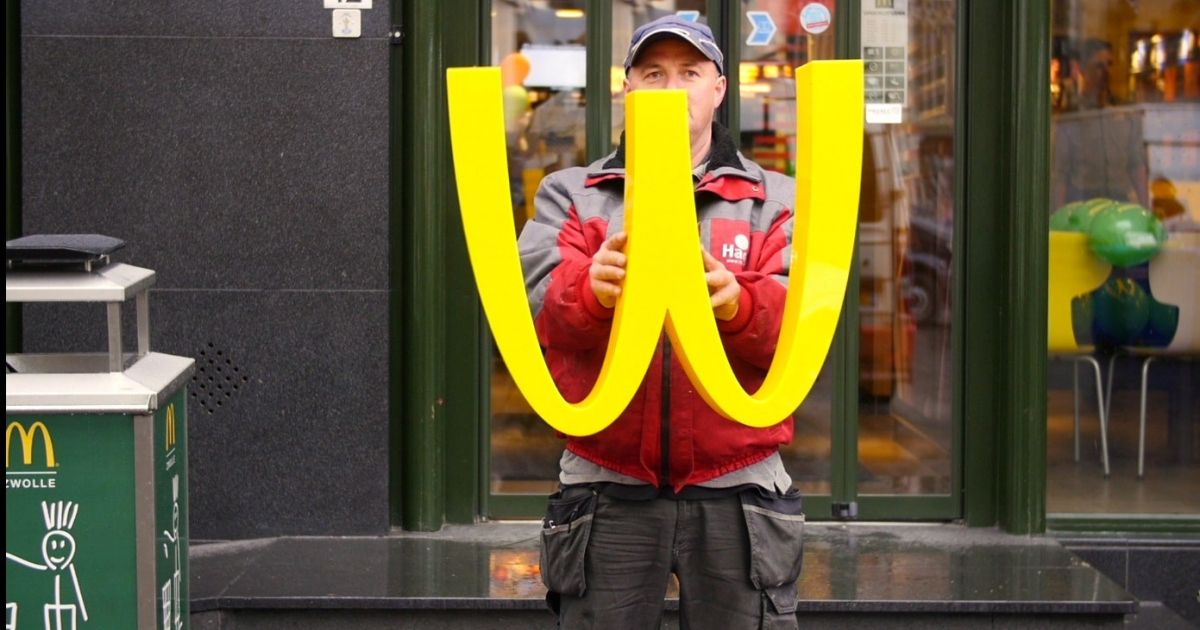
(694, 33)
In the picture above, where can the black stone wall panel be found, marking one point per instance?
(287, 413)
(223, 163)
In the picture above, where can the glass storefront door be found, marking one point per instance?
(907, 436)
(766, 120)
(542, 52)
(1123, 417)
(883, 435)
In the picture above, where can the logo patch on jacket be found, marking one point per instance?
(730, 243)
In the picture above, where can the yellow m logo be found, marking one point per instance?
(26, 438)
(170, 432)
(664, 280)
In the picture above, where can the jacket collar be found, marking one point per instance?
(724, 173)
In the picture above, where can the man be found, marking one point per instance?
(1094, 72)
(670, 486)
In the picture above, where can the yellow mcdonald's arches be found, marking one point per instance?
(26, 438)
(170, 432)
(664, 282)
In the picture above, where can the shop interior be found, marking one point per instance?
(1125, 101)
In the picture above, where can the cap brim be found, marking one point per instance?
(659, 34)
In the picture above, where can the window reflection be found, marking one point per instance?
(1125, 180)
(542, 54)
(767, 122)
(905, 249)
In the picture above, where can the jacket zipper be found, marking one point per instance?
(665, 478)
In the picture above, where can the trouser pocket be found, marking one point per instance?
(776, 526)
(565, 532)
(779, 608)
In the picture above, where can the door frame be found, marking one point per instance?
(1001, 162)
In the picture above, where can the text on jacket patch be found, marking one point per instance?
(735, 253)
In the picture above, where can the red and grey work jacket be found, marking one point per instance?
(668, 435)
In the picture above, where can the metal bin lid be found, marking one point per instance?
(66, 384)
(60, 248)
(114, 283)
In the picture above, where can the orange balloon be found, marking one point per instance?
(513, 69)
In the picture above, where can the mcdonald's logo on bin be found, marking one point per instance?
(26, 438)
(664, 281)
(169, 434)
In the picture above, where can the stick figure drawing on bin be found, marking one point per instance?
(58, 553)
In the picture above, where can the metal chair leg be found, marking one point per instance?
(1103, 416)
(1142, 421)
(1075, 392)
(1112, 364)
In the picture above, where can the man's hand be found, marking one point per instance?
(608, 270)
(723, 287)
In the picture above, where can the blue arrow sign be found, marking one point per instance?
(764, 28)
(690, 16)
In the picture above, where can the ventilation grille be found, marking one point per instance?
(217, 379)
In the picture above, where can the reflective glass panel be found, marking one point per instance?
(774, 42)
(905, 248)
(1124, 273)
(541, 50)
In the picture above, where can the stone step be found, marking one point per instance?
(486, 576)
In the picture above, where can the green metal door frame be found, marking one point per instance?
(1002, 138)
(845, 348)
(417, 299)
(468, 343)
(846, 352)
(1007, 202)
(599, 98)
(436, 328)
(1005, 190)
(724, 18)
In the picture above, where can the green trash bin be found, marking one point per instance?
(96, 528)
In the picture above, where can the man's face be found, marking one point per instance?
(673, 64)
(1098, 69)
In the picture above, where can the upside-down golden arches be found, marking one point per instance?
(664, 282)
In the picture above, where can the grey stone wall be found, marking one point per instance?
(1152, 570)
(242, 152)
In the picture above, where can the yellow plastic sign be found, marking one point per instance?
(664, 281)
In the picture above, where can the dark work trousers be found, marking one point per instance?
(633, 548)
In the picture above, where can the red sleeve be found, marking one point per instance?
(571, 316)
(753, 333)
(556, 254)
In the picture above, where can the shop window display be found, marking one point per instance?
(1125, 185)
